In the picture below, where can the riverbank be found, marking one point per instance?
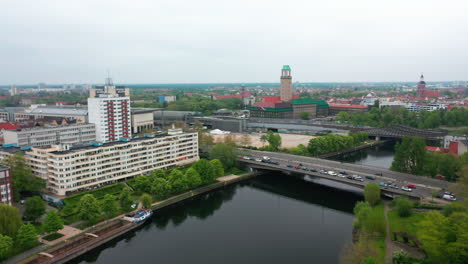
(95, 236)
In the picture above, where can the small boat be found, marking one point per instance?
(139, 216)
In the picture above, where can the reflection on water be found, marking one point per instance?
(269, 219)
(379, 156)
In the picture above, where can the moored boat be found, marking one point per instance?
(139, 216)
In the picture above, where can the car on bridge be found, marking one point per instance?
(358, 178)
(332, 173)
(370, 178)
(383, 184)
(404, 188)
(412, 186)
(297, 167)
(290, 166)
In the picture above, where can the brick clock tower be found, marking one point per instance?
(421, 86)
(286, 84)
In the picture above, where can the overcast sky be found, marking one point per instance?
(159, 41)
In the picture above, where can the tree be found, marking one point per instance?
(34, 208)
(10, 220)
(225, 153)
(372, 193)
(432, 233)
(109, 206)
(305, 115)
(369, 260)
(361, 211)
(6, 244)
(125, 199)
(217, 167)
(23, 179)
(205, 171)
(273, 139)
(146, 200)
(205, 139)
(403, 206)
(409, 155)
(89, 209)
(453, 208)
(26, 237)
(143, 183)
(159, 173)
(193, 177)
(245, 140)
(230, 140)
(178, 181)
(160, 188)
(53, 222)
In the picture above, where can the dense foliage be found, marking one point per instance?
(89, 209)
(333, 143)
(403, 206)
(52, 222)
(273, 139)
(226, 153)
(23, 179)
(204, 105)
(411, 157)
(372, 193)
(401, 116)
(10, 220)
(34, 208)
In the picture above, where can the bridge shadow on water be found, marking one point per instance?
(205, 206)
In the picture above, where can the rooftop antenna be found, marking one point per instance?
(108, 79)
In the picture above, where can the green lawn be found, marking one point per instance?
(404, 224)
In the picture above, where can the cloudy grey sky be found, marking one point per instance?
(174, 41)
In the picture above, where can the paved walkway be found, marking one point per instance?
(67, 232)
(227, 178)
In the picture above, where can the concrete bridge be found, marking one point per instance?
(424, 185)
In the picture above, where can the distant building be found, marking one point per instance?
(109, 110)
(51, 135)
(428, 107)
(287, 106)
(5, 127)
(166, 98)
(142, 120)
(6, 185)
(336, 108)
(52, 112)
(422, 92)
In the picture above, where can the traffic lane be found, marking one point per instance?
(419, 192)
(424, 181)
(422, 190)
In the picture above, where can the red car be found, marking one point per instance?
(412, 186)
(297, 167)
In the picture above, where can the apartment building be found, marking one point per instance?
(51, 135)
(78, 114)
(109, 110)
(79, 168)
(6, 192)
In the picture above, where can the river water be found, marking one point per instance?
(272, 218)
(379, 156)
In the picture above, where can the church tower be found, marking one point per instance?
(421, 86)
(286, 84)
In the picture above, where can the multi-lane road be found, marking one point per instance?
(424, 186)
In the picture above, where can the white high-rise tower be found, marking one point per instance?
(109, 110)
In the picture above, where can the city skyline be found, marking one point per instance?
(245, 41)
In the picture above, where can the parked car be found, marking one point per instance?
(412, 186)
(404, 188)
(370, 177)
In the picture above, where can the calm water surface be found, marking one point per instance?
(380, 156)
(271, 219)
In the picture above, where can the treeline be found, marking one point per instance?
(161, 184)
(411, 157)
(204, 105)
(389, 116)
(333, 143)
